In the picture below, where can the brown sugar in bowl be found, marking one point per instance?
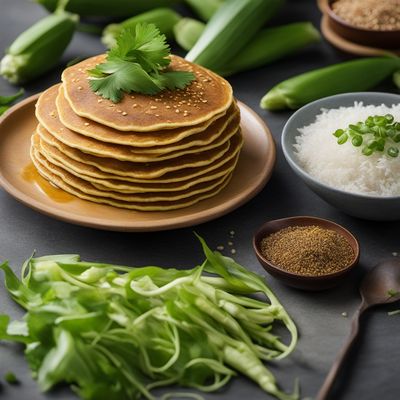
(297, 280)
(383, 39)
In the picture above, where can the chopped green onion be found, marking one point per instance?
(367, 151)
(377, 131)
(338, 132)
(357, 140)
(369, 121)
(380, 144)
(343, 138)
(391, 133)
(389, 118)
(354, 127)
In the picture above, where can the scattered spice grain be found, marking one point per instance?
(378, 15)
(308, 250)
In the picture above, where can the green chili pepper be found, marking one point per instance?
(351, 76)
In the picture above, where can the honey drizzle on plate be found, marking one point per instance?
(31, 174)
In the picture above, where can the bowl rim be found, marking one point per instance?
(296, 166)
(340, 20)
(317, 221)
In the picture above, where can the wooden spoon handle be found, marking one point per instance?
(330, 379)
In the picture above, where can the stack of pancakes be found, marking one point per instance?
(159, 152)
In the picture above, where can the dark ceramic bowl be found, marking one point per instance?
(366, 37)
(302, 281)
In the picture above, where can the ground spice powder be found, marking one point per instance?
(380, 15)
(308, 250)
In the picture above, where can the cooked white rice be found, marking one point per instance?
(344, 166)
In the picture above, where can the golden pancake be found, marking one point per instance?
(152, 206)
(224, 170)
(171, 180)
(145, 197)
(125, 153)
(144, 170)
(160, 141)
(139, 187)
(153, 142)
(206, 97)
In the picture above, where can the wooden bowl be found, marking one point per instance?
(299, 281)
(364, 36)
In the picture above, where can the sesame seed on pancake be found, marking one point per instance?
(159, 141)
(207, 96)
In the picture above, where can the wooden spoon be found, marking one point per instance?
(381, 285)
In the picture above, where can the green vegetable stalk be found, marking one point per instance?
(163, 18)
(39, 48)
(108, 8)
(270, 45)
(205, 9)
(187, 32)
(266, 46)
(351, 76)
(230, 29)
(115, 332)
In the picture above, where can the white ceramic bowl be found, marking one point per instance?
(376, 208)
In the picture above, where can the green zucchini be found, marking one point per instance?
(108, 8)
(163, 18)
(230, 29)
(351, 76)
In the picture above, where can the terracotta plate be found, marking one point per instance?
(253, 171)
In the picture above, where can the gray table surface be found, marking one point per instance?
(374, 366)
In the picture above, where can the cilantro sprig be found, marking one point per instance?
(138, 63)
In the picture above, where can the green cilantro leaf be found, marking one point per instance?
(137, 64)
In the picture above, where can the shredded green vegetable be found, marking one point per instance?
(115, 332)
